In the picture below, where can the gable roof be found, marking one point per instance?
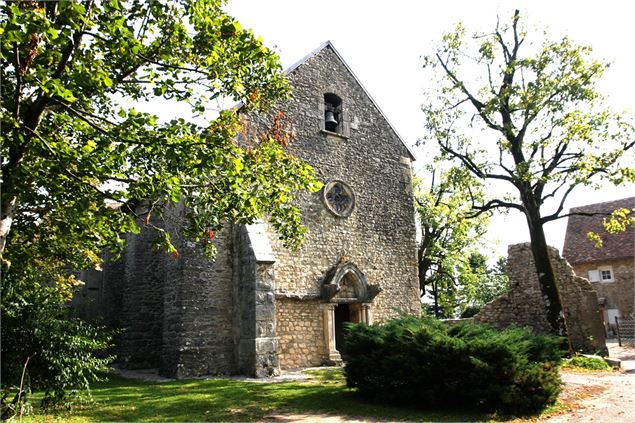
(579, 249)
(329, 45)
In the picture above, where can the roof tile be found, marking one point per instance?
(579, 249)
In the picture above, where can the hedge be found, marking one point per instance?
(425, 362)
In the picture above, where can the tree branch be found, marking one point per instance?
(476, 103)
(494, 204)
(18, 82)
(73, 44)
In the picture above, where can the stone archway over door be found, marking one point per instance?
(348, 298)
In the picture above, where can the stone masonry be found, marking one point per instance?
(523, 305)
(258, 307)
(619, 293)
(611, 268)
(379, 234)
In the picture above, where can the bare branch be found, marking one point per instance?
(555, 215)
(494, 204)
(590, 214)
(476, 103)
(166, 65)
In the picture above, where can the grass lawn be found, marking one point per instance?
(231, 400)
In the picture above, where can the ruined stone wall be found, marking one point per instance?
(523, 304)
(620, 293)
(300, 329)
(379, 235)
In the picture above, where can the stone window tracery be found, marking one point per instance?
(339, 198)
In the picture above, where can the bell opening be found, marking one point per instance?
(332, 111)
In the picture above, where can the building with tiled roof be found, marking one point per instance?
(611, 268)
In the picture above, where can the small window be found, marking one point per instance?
(332, 113)
(606, 274)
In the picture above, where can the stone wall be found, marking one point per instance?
(379, 234)
(142, 303)
(254, 304)
(300, 329)
(619, 294)
(197, 322)
(523, 304)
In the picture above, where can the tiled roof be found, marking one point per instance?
(577, 247)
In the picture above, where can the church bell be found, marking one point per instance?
(329, 119)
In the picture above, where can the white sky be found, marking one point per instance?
(383, 41)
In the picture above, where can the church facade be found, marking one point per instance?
(258, 307)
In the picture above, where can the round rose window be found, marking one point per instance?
(339, 198)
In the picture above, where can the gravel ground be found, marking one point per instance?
(601, 397)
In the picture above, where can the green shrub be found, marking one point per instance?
(423, 361)
(588, 363)
(64, 354)
(470, 311)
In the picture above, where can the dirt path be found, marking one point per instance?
(605, 397)
(590, 397)
(601, 397)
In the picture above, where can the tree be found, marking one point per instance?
(483, 284)
(71, 138)
(77, 151)
(449, 236)
(528, 119)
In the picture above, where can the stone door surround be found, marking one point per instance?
(345, 284)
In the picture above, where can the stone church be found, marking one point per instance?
(257, 307)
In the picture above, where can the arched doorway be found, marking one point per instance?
(342, 316)
(348, 299)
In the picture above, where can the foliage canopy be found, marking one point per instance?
(527, 118)
(78, 151)
(450, 239)
(71, 74)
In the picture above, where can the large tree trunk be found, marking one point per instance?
(546, 276)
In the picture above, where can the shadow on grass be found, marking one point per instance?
(230, 400)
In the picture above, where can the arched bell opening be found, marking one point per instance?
(332, 112)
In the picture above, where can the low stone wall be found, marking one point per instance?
(523, 304)
(301, 333)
